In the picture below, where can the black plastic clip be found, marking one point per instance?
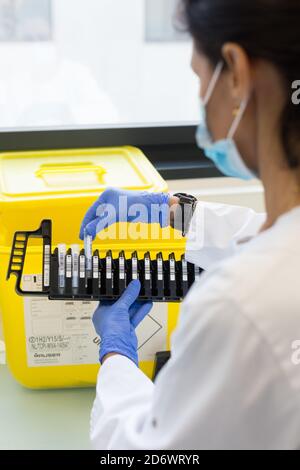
(18, 255)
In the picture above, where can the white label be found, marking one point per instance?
(47, 266)
(95, 267)
(160, 269)
(147, 269)
(62, 260)
(82, 266)
(152, 333)
(121, 268)
(75, 264)
(184, 271)
(75, 268)
(69, 266)
(134, 268)
(108, 267)
(60, 333)
(61, 265)
(172, 270)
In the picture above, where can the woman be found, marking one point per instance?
(231, 381)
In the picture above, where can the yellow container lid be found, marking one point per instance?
(61, 185)
(44, 174)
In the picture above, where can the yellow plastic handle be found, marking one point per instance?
(64, 169)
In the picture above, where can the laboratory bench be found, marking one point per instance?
(43, 419)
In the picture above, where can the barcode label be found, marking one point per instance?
(68, 266)
(172, 270)
(147, 269)
(82, 267)
(108, 267)
(61, 263)
(134, 268)
(75, 264)
(184, 271)
(95, 267)
(47, 266)
(122, 268)
(160, 269)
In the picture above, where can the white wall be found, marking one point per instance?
(98, 69)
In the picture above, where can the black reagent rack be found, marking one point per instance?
(161, 280)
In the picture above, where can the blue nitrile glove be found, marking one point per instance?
(116, 205)
(115, 323)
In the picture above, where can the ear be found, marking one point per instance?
(240, 71)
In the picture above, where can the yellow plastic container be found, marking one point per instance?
(51, 344)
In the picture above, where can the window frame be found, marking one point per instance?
(170, 147)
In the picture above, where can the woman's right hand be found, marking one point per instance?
(116, 205)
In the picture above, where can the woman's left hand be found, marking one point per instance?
(115, 323)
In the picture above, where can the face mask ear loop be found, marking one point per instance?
(213, 82)
(238, 119)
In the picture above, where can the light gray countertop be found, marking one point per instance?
(43, 419)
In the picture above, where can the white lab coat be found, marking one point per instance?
(233, 381)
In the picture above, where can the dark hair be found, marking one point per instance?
(266, 29)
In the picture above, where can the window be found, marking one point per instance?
(25, 20)
(93, 63)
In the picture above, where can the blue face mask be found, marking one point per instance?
(224, 153)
